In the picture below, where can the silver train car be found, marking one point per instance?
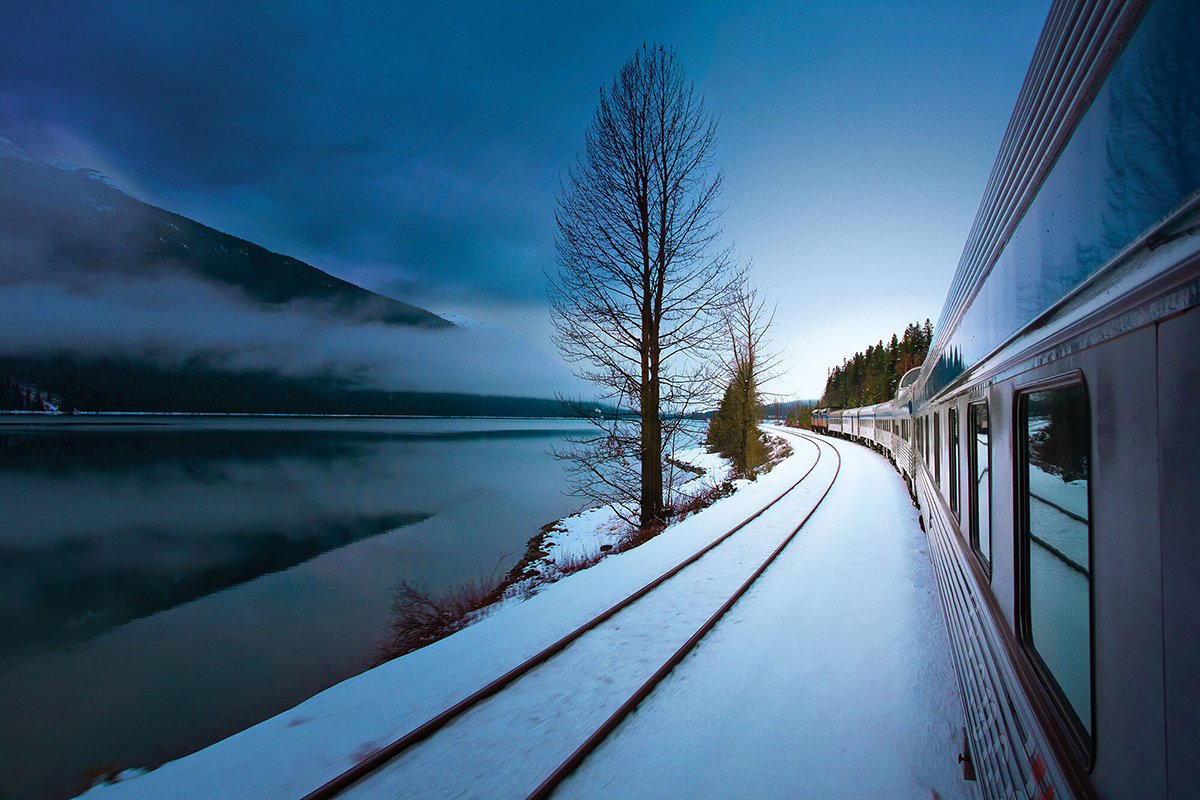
(1050, 437)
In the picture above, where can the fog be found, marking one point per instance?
(170, 317)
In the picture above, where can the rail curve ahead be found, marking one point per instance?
(374, 766)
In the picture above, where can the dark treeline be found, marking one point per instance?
(793, 413)
(800, 416)
(872, 377)
(783, 409)
(113, 384)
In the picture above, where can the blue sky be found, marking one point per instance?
(417, 149)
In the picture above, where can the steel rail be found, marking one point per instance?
(379, 758)
(572, 762)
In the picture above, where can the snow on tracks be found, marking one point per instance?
(507, 744)
(831, 678)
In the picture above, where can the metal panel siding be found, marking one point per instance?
(1127, 566)
(1179, 404)
(1024, 155)
(1076, 49)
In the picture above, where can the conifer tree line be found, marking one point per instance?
(800, 414)
(871, 377)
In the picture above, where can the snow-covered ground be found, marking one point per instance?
(830, 678)
(581, 539)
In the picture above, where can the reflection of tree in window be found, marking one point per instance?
(1059, 444)
(981, 489)
(1057, 437)
(1152, 149)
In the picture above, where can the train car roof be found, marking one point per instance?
(1095, 49)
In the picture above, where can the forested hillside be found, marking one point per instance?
(871, 377)
(67, 383)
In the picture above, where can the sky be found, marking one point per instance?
(418, 149)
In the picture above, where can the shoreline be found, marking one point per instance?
(564, 547)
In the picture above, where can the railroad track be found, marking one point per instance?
(534, 695)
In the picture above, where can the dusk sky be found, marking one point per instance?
(417, 149)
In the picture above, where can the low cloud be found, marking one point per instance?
(170, 318)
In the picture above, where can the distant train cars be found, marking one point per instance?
(1050, 437)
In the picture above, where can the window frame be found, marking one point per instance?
(973, 487)
(937, 450)
(1083, 742)
(952, 459)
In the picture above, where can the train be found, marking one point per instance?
(1050, 439)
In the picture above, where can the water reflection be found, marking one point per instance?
(164, 583)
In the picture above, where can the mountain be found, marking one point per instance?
(72, 219)
(110, 304)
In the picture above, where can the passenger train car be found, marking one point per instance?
(1050, 437)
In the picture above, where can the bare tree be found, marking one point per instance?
(747, 323)
(642, 281)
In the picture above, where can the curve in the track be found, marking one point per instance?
(385, 754)
(573, 761)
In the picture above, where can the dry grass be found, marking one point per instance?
(421, 618)
(690, 504)
(575, 562)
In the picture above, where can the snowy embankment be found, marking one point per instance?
(295, 752)
(582, 539)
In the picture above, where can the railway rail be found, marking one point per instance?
(373, 766)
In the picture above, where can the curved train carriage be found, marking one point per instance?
(1050, 436)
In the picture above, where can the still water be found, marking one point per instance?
(165, 582)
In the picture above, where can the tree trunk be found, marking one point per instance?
(651, 515)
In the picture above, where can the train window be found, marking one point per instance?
(979, 457)
(1056, 541)
(937, 450)
(952, 463)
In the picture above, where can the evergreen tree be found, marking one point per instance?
(733, 429)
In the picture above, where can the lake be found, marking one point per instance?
(168, 581)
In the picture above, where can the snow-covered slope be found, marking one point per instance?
(89, 174)
(10, 149)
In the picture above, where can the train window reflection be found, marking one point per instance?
(979, 456)
(937, 449)
(952, 463)
(1056, 447)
